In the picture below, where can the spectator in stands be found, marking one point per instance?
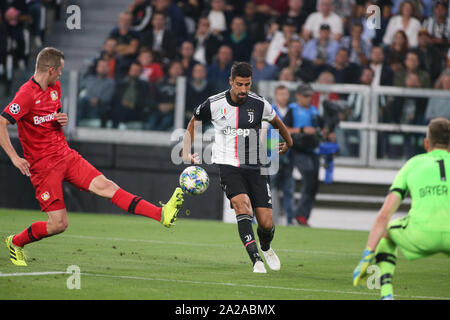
(396, 6)
(430, 57)
(34, 8)
(15, 16)
(407, 22)
(127, 44)
(345, 9)
(255, 22)
(187, 57)
(152, 71)
(286, 74)
(409, 110)
(162, 118)
(319, 97)
(321, 51)
(355, 101)
(219, 18)
(175, 18)
(130, 99)
(219, 71)
(198, 89)
(383, 74)
(96, 91)
(437, 106)
(438, 26)
(109, 54)
(261, 69)
(279, 40)
(239, 41)
(325, 15)
(396, 52)
(160, 40)
(343, 70)
(303, 122)
(3, 45)
(142, 15)
(295, 13)
(271, 8)
(304, 69)
(412, 65)
(356, 45)
(205, 42)
(192, 8)
(283, 179)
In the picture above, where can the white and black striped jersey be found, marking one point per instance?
(237, 128)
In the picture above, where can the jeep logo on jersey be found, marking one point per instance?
(49, 117)
(236, 132)
(54, 95)
(14, 108)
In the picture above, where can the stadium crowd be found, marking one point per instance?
(325, 41)
(23, 24)
(133, 78)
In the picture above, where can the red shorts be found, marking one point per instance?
(72, 168)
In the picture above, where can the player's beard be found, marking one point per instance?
(241, 97)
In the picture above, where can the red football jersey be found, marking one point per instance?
(34, 111)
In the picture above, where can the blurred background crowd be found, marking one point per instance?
(133, 79)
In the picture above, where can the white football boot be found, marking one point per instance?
(272, 259)
(258, 267)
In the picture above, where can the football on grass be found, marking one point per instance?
(194, 180)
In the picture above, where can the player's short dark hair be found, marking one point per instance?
(439, 133)
(47, 58)
(241, 69)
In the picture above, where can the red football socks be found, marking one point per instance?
(35, 232)
(136, 205)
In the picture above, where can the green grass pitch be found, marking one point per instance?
(130, 257)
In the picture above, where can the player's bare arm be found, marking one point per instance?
(390, 206)
(284, 132)
(5, 143)
(188, 140)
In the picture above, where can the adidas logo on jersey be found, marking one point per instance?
(236, 132)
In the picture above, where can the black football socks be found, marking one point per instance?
(265, 237)
(244, 222)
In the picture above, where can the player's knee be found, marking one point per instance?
(242, 206)
(103, 184)
(57, 226)
(266, 223)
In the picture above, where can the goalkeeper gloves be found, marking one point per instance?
(360, 271)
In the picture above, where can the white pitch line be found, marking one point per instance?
(229, 284)
(22, 274)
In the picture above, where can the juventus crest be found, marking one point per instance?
(251, 116)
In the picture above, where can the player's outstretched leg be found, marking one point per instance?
(386, 256)
(15, 243)
(265, 238)
(167, 214)
(136, 205)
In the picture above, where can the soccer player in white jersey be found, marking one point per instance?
(236, 115)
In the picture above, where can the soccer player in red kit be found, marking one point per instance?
(48, 160)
